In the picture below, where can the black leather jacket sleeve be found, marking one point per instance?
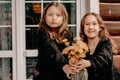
(49, 52)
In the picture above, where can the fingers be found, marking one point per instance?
(69, 76)
(72, 63)
(83, 64)
(69, 70)
(76, 67)
(80, 67)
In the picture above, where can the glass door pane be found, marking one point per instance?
(5, 38)
(5, 69)
(32, 18)
(5, 26)
(6, 43)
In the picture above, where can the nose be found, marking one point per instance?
(90, 26)
(54, 16)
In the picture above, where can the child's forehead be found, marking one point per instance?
(53, 7)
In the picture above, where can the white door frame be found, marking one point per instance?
(20, 39)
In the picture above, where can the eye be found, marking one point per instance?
(50, 14)
(86, 23)
(58, 15)
(94, 23)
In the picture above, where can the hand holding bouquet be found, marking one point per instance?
(76, 52)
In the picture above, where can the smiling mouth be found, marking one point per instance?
(91, 31)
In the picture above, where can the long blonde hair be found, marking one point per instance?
(64, 27)
(102, 34)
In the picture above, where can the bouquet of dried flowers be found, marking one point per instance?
(76, 52)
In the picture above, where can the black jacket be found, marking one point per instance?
(101, 62)
(50, 59)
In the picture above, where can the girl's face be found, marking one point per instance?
(91, 27)
(54, 17)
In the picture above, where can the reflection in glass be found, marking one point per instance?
(32, 0)
(30, 66)
(5, 69)
(71, 9)
(45, 4)
(6, 38)
(5, 0)
(73, 29)
(31, 37)
(33, 13)
(68, 0)
(50, 0)
(5, 14)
